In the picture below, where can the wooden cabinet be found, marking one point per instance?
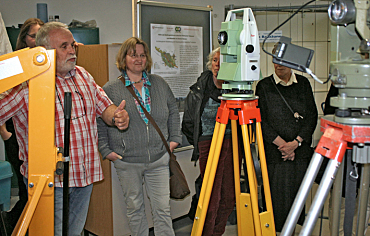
(99, 60)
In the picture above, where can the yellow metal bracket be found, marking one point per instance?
(38, 66)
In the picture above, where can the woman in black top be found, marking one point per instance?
(289, 118)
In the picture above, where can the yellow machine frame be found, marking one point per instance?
(38, 66)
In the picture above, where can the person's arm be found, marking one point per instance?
(103, 142)
(173, 124)
(311, 116)
(105, 109)
(188, 118)
(116, 116)
(269, 132)
(5, 134)
(279, 141)
(12, 101)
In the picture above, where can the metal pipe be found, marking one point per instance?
(324, 7)
(321, 194)
(302, 194)
(336, 201)
(363, 199)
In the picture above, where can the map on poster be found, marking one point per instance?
(177, 53)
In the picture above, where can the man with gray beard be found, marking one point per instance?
(89, 101)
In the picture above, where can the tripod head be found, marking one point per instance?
(350, 72)
(239, 54)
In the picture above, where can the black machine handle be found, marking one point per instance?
(67, 125)
(60, 165)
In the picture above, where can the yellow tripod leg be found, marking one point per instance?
(267, 217)
(252, 181)
(243, 203)
(236, 173)
(209, 177)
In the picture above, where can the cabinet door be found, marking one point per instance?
(94, 58)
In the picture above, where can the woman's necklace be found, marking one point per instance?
(136, 82)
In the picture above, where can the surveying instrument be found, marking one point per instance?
(240, 67)
(349, 128)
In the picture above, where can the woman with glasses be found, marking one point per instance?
(198, 124)
(25, 39)
(138, 153)
(27, 35)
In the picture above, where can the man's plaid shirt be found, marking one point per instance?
(88, 102)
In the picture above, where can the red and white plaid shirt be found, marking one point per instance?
(88, 102)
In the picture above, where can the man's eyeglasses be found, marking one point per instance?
(82, 100)
(83, 103)
(32, 35)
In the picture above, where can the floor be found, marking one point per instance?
(183, 225)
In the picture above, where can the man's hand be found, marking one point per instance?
(121, 118)
(113, 156)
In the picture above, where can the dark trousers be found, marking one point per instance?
(222, 199)
(12, 152)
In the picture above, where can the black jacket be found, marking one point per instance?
(194, 105)
(278, 119)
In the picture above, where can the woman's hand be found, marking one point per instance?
(113, 156)
(173, 145)
(289, 157)
(287, 150)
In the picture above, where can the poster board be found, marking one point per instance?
(151, 13)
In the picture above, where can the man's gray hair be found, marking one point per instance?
(210, 58)
(42, 36)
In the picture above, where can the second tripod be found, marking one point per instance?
(250, 220)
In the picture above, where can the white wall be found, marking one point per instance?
(112, 16)
(114, 21)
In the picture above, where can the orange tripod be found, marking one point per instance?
(332, 145)
(254, 223)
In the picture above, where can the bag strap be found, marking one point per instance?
(282, 96)
(150, 118)
(295, 114)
